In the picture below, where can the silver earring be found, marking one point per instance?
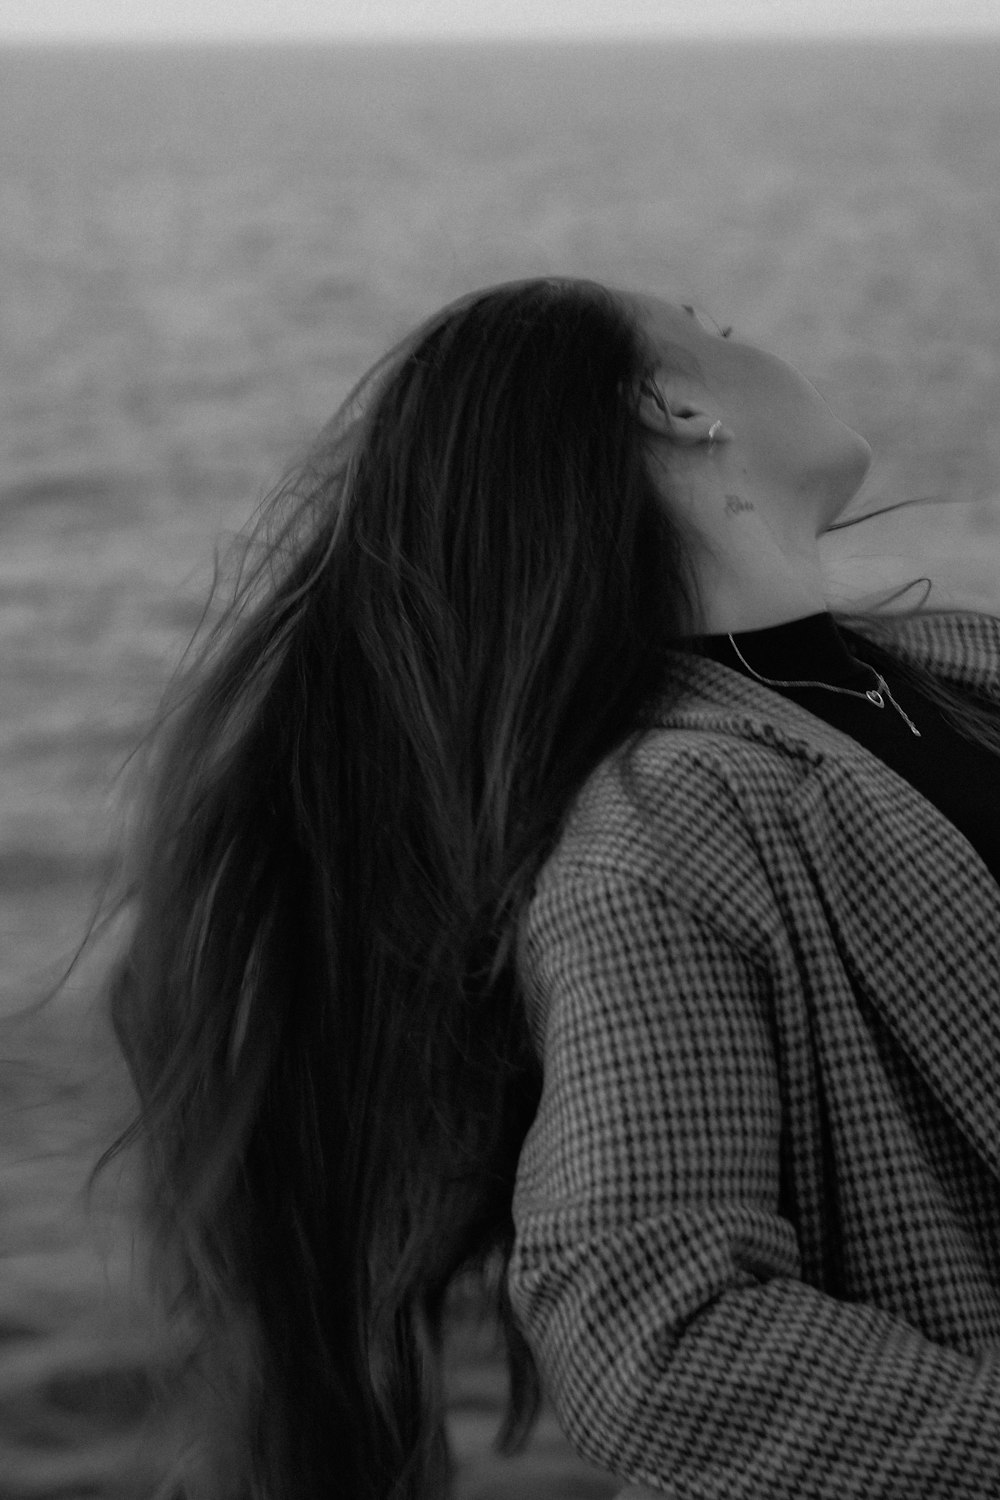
(712, 431)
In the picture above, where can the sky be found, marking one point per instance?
(175, 20)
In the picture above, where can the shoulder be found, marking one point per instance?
(686, 815)
(674, 784)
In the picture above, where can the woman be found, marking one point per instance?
(537, 878)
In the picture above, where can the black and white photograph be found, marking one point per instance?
(500, 750)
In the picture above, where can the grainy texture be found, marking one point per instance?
(199, 253)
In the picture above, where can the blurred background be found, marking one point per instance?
(211, 225)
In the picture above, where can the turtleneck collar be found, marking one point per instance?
(812, 648)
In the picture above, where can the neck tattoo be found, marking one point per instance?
(736, 503)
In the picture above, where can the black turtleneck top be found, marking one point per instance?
(960, 778)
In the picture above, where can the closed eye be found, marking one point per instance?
(700, 317)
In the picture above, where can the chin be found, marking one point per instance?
(865, 453)
(856, 462)
(844, 479)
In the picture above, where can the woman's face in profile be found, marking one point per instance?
(784, 431)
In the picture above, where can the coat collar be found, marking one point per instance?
(963, 647)
(912, 909)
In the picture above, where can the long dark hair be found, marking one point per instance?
(444, 618)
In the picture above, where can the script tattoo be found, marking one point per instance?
(736, 503)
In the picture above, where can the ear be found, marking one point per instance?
(684, 422)
(654, 414)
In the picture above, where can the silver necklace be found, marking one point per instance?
(874, 695)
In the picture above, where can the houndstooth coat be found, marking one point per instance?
(757, 1215)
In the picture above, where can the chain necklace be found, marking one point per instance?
(874, 695)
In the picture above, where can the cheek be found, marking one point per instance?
(773, 402)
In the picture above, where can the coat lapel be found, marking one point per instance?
(915, 916)
(911, 907)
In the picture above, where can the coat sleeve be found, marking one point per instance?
(653, 1273)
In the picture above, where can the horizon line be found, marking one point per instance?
(902, 34)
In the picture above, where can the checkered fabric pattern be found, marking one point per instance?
(757, 1215)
